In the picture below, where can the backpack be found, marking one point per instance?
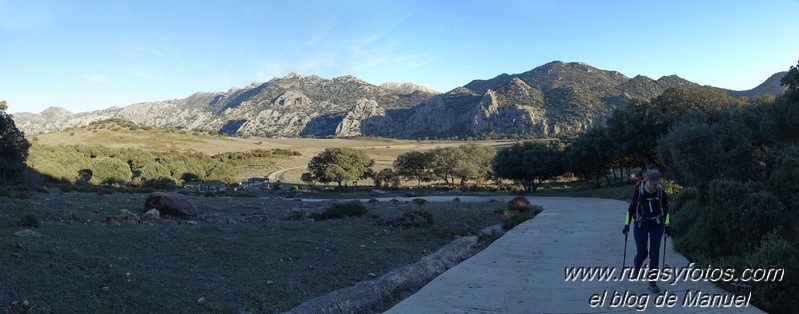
(644, 211)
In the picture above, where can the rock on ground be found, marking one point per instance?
(171, 205)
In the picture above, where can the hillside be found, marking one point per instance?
(554, 99)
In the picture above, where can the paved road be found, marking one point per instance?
(523, 272)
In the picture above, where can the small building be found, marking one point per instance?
(205, 186)
(255, 182)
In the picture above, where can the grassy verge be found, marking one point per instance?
(223, 263)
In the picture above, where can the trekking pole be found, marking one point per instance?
(664, 251)
(624, 263)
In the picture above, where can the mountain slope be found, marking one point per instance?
(770, 87)
(551, 100)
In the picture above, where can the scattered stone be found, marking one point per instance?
(171, 205)
(372, 275)
(124, 217)
(26, 233)
(191, 222)
(106, 289)
(269, 282)
(297, 213)
(201, 301)
(255, 218)
(495, 230)
(152, 214)
(377, 192)
(26, 304)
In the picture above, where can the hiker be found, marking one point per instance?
(649, 211)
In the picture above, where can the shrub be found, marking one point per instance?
(395, 201)
(419, 202)
(160, 184)
(342, 210)
(414, 218)
(740, 213)
(294, 188)
(501, 211)
(520, 204)
(775, 252)
(373, 201)
(521, 217)
(29, 220)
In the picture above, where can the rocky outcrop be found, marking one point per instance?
(365, 118)
(407, 88)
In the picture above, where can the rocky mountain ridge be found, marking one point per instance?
(551, 100)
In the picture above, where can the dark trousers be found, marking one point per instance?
(647, 242)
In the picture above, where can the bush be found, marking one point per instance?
(775, 252)
(29, 220)
(373, 201)
(520, 204)
(740, 213)
(419, 202)
(521, 217)
(502, 211)
(160, 184)
(414, 218)
(342, 210)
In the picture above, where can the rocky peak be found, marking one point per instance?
(407, 88)
(294, 75)
(56, 112)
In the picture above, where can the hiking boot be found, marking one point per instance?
(653, 287)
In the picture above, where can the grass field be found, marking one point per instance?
(383, 151)
(242, 255)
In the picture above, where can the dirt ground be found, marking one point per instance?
(240, 255)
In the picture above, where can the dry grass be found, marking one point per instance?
(241, 256)
(383, 151)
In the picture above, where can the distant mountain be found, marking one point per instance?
(407, 88)
(770, 87)
(551, 100)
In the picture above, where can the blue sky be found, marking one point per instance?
(92, 54)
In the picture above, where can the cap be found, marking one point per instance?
(653, 175)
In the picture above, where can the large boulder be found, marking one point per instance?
(175, 205)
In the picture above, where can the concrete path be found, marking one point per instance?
(523, 272)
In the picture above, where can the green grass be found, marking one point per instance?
(234, 265)
(518, 218)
